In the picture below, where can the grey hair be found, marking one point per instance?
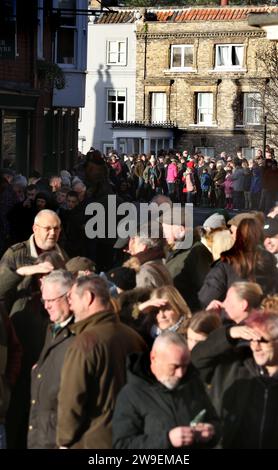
(60, 276)
(168, 338)
(79, 183)
(94, 284)
(249, 291)
(43, 212)
(151, 235)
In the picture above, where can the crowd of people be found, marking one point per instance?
(137, 343)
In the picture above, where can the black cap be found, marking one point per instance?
(271, 227)
(122, 277)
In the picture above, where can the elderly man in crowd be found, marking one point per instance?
(164, 403)
(14, 287)
(46, 373)
(21, 295)
(94, 367)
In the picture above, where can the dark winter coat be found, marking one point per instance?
(45, 383)
(222, 275)
(146, 410)
(92, 376)
(15, 289)
(188, 269)
(244, 397)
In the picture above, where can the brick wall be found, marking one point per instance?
(153, 71)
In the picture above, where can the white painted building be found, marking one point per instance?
(110, 83)
(70, 51)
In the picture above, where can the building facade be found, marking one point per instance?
(42, 45)
(202, 65)
(110, 84)
(200, 81)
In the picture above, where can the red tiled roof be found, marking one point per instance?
(211, 14)
(182, 15)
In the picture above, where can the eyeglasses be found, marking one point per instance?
(263, 340)
(48, 229)
(56, 298)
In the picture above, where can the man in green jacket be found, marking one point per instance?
(15, 288)
(94, 368)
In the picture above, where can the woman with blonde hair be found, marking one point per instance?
(166, 310)
(247, 260)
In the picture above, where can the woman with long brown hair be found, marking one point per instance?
(246, 260)
(165, 310)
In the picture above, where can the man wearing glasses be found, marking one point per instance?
(14, 288)
(46, 373)
(244, 381)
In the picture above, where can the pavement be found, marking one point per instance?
(200, 214)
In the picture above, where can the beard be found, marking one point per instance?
(169, 382)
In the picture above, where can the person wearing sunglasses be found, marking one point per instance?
(244, 381)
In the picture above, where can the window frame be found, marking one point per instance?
(118, 41)
(182, 67)
(200, 149)
(198, 109)
(73, 28)
(254, 108)
(117, 90)
(153, 93)
(229, 67)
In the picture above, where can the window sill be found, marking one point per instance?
(247, 125)
(181, 70)
(116, 65)
(228, 69)
(202, 125)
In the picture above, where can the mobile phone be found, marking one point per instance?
(198, 418)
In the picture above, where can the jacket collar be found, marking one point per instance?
(33, 249)
(93, 320)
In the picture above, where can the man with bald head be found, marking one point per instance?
(14, 287)
(164, 403)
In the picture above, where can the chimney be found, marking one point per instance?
(224, 3)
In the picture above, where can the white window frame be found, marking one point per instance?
(229, 65)
(117, 90)
(201, 109)
(70, 27)
(118, 42)
(182, 47)
(206, 151)
(257, 108)
(158, 109)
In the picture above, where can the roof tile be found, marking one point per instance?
(187, 14)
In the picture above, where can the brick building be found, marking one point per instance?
(42, 42)
(199, 79)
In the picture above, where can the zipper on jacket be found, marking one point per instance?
(263, 418)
